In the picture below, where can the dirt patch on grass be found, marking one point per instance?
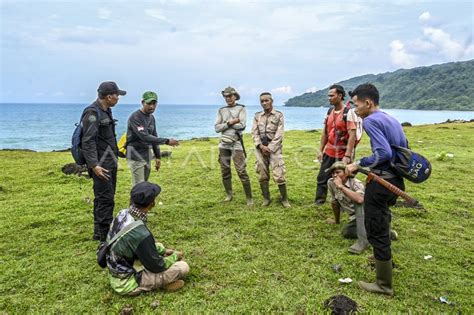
(341, 304)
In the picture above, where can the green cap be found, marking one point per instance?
(337, 166)
(230, 91)
(149, 97)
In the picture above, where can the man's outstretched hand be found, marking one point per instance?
(173, 142)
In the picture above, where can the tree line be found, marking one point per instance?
(448, 86)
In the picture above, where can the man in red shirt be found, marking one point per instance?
(337, 140)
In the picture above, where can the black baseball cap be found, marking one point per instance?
(144, 193)
(109, 87)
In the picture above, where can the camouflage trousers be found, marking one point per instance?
(273, 161)
(225, 155)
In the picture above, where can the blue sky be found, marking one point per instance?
(188, 51)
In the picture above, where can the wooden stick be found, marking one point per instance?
(397, 191)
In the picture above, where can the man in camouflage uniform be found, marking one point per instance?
(230, 122)
(267, 132)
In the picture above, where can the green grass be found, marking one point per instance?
(241, 259)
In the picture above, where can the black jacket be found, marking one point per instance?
(99, 143)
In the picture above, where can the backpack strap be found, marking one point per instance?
(344, 114)
(326, 119)
(97, 110)
(124, 231)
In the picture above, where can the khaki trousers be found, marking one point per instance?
(152, 281)
(238, 156)
(140, 171)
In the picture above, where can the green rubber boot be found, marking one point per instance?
(383, 283)
(362, 244)
(228, 189)
(264, 186)
(248, 193)
(284, 196)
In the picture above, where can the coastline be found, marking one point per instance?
(205, 138)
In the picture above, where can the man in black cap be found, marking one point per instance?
(99, 146)
(136, 262)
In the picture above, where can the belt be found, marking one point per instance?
(385, 174)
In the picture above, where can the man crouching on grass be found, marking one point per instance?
(347, 194)
(136, 263)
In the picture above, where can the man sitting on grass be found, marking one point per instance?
(136, 263)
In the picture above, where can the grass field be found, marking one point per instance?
(242, 259)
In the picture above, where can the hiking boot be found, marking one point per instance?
(284, 196)
(265, 193)
(393, 235)
(228, 189)
(383, 282)
(248, 193)
(174, 286)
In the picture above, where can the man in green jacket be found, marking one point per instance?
(136, 262)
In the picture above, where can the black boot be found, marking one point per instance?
(265, 193)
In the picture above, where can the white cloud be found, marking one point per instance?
(311, 90)
(399, 55)
(448, 46)
(58, 93)
(421, 45)
(157, 14)
(104, 14)
(425, 16)
(282, 90)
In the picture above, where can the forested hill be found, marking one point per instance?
(448, 86)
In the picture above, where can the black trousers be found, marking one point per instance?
(104, 193)
(377, 200)
(323, 177)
